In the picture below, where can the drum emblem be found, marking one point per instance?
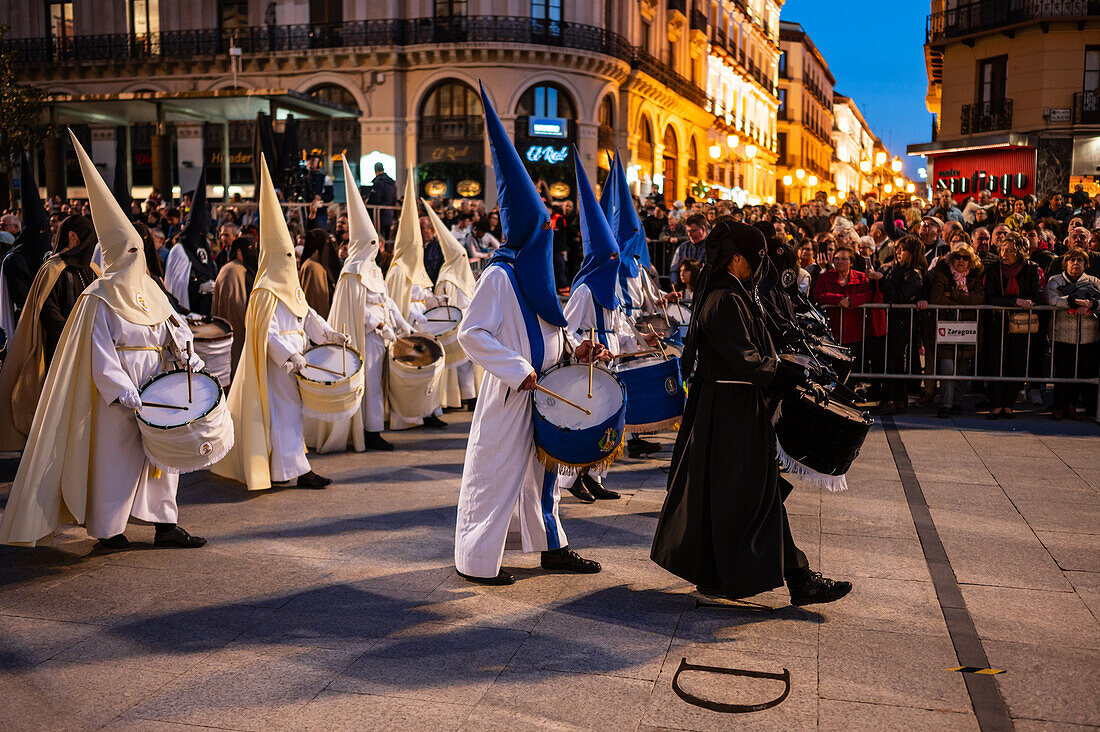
(205, 449)
(670, 385)
(429, 390)
(299, 295)
(141, 301)
(609, 440)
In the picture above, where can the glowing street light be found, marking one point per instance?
(887, 189)
(787, 180)
(800, 174)
(880, 158)
(750, 151)
(715, 151)
(832, 200)
(910, 188)
(865, 166)
(899, 182)
(896, 165)
(841, 195)
(812, 180)
(732, 140)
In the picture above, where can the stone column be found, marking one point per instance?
(589, 149)
(189, 155)
(162, 156)
(55, 166)
(102, 150)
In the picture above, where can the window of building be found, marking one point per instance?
(452, 99)
(781, 143)
(1092, 70)
(324, 12)
(783, 65)
(693, 158)
(145, 17)
(781, 113)
(450, 8)
(546, 10)
(233, 14)
(646, 33)
(992, 73)
(59, 20)
(546, 100)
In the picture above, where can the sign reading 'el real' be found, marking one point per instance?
(547, 153)
(961, 332)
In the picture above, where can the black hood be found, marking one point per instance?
(193, 236)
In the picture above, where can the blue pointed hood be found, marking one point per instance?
(609, 194)
(629, 232)
(528, 240)
(600, 267)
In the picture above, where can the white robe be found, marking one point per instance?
(460, 383)
(502, 472)
(644, 293)
(177, 275)
(620, 337)
(7, 313)
(415, 318)
(124, 357)
(287, 335)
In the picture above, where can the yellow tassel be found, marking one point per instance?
(154, 472)
(554, 465)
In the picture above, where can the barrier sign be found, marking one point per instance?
(962, 332)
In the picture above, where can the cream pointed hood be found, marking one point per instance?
(277, 271)
(408, 247)
(456, 262)
(125, 284)
(362, 238)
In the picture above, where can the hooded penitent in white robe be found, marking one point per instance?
(362, 308)
(502, 470)
(264, 400)
(84, 460)
(177, 275)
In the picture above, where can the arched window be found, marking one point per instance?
(334, 94)
(670, 164)
(451, 98)
(693, 159)
(606, 130)
(546, 100)
(645, 144)
(607, 112)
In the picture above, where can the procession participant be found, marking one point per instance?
(409, 285)
(319, 270)
(21, 264)
(593, 306)
(264, 399)
(190, 271)
(725, 471)
(52, 297)
(84, 461)
(514, 328)
(363, 309)
(454, 287)
(232, 288)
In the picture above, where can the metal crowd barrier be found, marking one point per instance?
(941, 333)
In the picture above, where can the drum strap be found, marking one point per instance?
(530, 321)
(601, 327)
(158, 349)
(299, 331)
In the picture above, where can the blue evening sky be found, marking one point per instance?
(875, 50)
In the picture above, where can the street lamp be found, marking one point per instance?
(896, 165)
(888, 189)
(715, 151)
(865, 166)
(832, 200)
(787, 180)
(880, 158)
(910, 188)
(899, 181)
(800, 174)
(750, 151)
(812, 180)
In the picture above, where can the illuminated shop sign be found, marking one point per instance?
(1007, 172)
(547, 127)
(547, 153)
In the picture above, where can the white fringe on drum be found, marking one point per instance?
(832, 482)
(207, 460)
(330, 416)
(666, 425)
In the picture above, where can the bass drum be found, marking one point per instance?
(568, 440)
(819, 441)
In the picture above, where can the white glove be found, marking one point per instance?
(206, 288)
(296, 362)
(387, 333)
(337, 338)
(195, 363)
(130, 400)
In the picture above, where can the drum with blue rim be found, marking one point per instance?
(654, 393)
(568, 440)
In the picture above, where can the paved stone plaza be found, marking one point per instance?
(340, 609)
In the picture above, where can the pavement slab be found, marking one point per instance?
(341, 608)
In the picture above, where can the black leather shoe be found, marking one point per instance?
(178, 538)
(471, 404)
(118, 541)
(578, 489)
(313, 481)
(636, 447)
(502, 578)
(567, 560)
(596, 489)
(810, 588)
(375, 441)
(434, 422)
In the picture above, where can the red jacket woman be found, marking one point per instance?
(842, 291)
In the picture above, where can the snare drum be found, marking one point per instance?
(415, 371)
(654, 393)
(820, 441)
(838, 357)
(180, 436)
(443, 322)
(331, 384)
(679, 313)
(569, 440)
(214, 344)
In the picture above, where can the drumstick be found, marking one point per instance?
(161, 406)
(440, 320)
(592, 363)
(322, 368)
(667, 324)
(344, 353)
(659, 345)
(560, 398)
(188, 372)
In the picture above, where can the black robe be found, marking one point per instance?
(722, 526)
(59, 304)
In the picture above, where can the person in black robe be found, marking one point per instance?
(723, 525)
(32, 246)
(76, 240)
(200, 283)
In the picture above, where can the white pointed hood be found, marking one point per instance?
(456, 262)
(125, 284)
(362, 238)
(277, 271)
(408, 246)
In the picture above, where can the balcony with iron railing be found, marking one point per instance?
(449, 128)
(1086, 108)
(970, 17)
(698, 20)
(986, 117)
